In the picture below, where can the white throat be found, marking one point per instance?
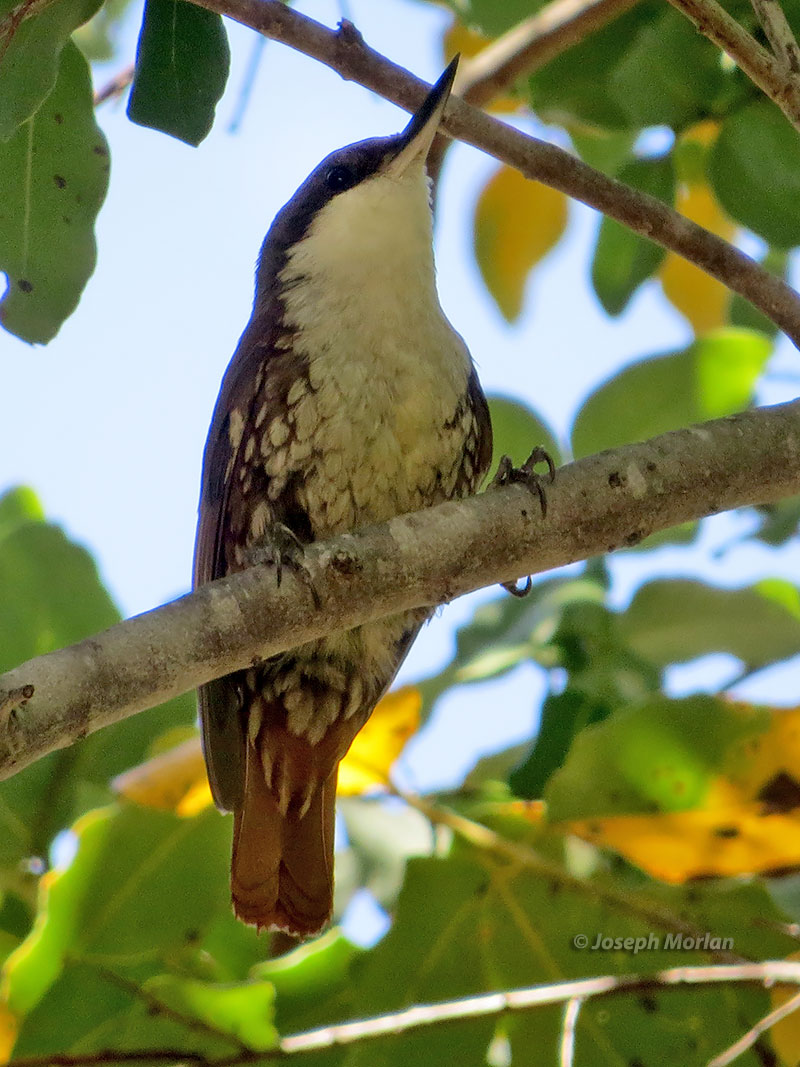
(366, 264)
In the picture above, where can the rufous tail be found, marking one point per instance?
(282, 866)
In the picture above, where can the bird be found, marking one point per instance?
(350, 399)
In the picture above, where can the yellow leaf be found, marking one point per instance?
(517, 222)
(749, 822)
(174, 780)
(9, 1027)
(785, 1035)
(460, 39)
(696, 295)
(380, 742)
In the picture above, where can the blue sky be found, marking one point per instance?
(108, 422)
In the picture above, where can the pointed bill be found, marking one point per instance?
(416, 139)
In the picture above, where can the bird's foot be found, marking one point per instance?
(281, 547)
(508, 474)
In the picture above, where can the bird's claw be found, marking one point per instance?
(281, 546)
(508, 474)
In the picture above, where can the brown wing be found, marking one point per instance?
(220, 701)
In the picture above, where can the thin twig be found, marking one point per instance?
(779, 34)
(754, 1033)
(567, 1050)
(345, 52)
(523, 49)
(116, 86)
(767, 72)
(489, 1004)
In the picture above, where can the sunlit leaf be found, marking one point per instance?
(54, 174)
(517, 222)
(468, 924)
(313, 984)
(715, 376)
(380, 742)
(142, 883)
(700, 298)
(243, 1011)
(166, 780)
(745, 819)
(657, 756)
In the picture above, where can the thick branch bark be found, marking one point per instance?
(345, 52)
(427, 558)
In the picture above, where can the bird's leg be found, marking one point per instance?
(508, 474)
(281, 546)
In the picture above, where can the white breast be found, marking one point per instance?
(386, 369)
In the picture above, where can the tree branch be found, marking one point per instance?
(779, 34)
(421, 1015)
(427, 558)
(345, 52)
(531, 44)
(771, 75)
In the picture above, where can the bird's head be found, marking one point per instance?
(364, 205)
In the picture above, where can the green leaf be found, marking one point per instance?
(182, 65)
(622, 260)
(743, 314)
(673, 621)
(653, 757)
(468, 924)
(31, 52)
(602, 149)
(671, 75)
(575, 87)
(313, 985)
(54, 174)
(18, 506)
(491, 18)
(755, 170)
(507, 631)
(244, 1011)
(52, 597)
(98, 39)
(563, 716)
(779, 522)
(715, 376)
(516, 431)
(81, 1006)
(142, 883)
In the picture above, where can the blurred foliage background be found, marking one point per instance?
(631, 811)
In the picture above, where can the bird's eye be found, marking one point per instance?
(338, 178)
